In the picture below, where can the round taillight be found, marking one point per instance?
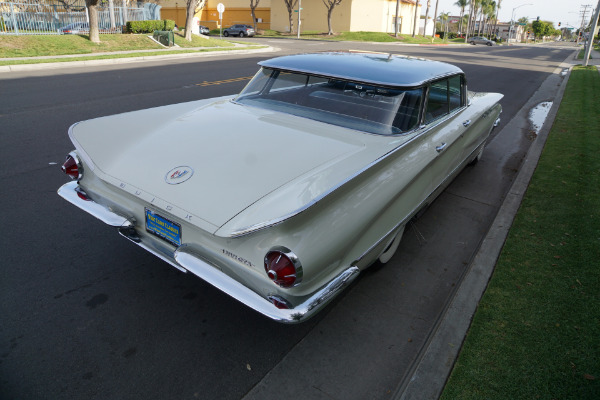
(283, 267)
(72, 166)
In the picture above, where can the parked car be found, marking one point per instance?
(76, 28)
(204, 30)
(239, 30)
(303, 180)
(481, 40)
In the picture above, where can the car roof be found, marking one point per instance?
(376, 68)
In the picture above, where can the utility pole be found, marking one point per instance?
(583, 15)
(590, 41)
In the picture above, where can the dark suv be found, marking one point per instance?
(239, 30)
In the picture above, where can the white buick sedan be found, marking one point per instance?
(282, 195)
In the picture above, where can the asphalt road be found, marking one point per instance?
(87, 315)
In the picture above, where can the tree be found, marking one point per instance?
(92, 6)
(435, 16)
(462, 4)
(542, 28)
(190, 11)
(253, 5)
(427, 18)
(396, 27)
(496, 18)
(444, 19)
(489, 12)
(415, 20)
(290, 5)
(330, 5)
(468, 31)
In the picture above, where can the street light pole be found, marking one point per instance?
(512, 20)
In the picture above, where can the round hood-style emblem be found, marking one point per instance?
(179, 175)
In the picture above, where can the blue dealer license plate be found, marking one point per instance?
(163, 228)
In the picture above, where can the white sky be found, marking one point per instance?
(568, 12)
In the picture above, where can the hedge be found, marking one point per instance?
(150, 26)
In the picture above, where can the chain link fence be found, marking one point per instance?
(57, 17)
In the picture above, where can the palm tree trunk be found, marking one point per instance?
(426, 17)
(415, 22)
(396, 27)
(469, 20)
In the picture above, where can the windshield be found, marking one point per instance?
(364, 107)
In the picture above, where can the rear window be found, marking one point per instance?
(364, 107)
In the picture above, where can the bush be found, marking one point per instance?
(169, 25)
(150, 26)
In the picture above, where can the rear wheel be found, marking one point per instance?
(477, 158)
(388, 253)
(242, 34)
(489, 43)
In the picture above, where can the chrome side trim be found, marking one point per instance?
(76, 196)
(184, 258)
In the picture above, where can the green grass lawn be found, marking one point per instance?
(355, 37)
(54, 45)
(536, 333)
(59, 45)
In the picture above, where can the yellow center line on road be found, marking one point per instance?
(205, 83)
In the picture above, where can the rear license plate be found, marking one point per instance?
(163, 228)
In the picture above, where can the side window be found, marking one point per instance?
(444, 96)
(454, 91)
(437, 100)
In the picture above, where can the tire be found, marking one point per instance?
(388, 253)
(489, 43)
(242, 34)
(477, 158)
(226, 34)
(473, 43)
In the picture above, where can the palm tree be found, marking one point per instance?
(473, 6)
(444, 19)
(496, 23)
(427, 17)
(415, 20)
(462, 4)
(482, 6)
(435, 16)
(488, 11)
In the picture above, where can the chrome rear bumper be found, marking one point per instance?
(187, 258)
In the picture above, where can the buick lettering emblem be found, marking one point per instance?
(179, 175)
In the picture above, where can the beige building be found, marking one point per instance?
(350, 15)
(516, 34)
(236, 12)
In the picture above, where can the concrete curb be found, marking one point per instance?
(431, 372)
(128, 60)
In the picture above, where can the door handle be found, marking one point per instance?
(440, 148)
(467, 123)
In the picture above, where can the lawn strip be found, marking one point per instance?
(123, 55)
(535, 333)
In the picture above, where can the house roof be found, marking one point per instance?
(376, 68)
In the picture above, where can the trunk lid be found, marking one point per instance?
(235, 156)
